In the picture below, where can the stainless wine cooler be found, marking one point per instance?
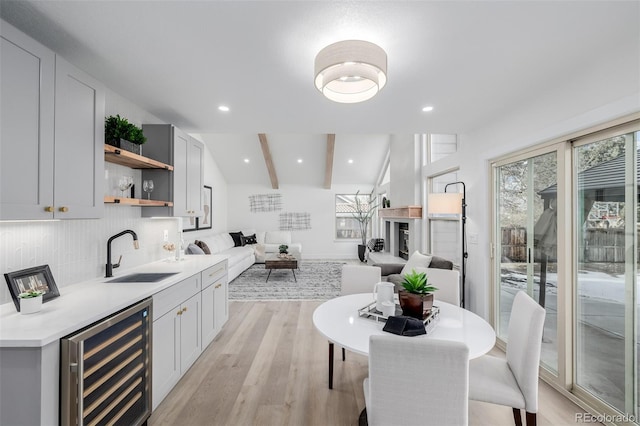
(105, 376)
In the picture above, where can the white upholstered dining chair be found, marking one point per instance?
(447, 281)
(513, 381)
(354, 279)
(359, 279)
(416, 381)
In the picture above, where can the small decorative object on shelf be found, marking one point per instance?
(147, 186)
(124, 183)
(30, 301)
(283, 249)
(118, 131)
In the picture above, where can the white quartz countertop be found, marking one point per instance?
(82, 304)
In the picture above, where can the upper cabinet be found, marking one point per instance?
(27, 85)
(49, 167)
(168, 144)
(79, 141)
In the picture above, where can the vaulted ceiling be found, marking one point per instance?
(471, 60)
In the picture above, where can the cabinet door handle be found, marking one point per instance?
(179, 313)
(184, 309)
(63, 209)
(218, 285)
(48, 209)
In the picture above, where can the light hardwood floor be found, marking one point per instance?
(268, 366)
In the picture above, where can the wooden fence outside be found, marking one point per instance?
(600, 245)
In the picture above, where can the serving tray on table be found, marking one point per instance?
(370, 312)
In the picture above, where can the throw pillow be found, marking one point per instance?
(417, 260)
(249, 239)
(203, 246)
(237, 238)
(193, 249)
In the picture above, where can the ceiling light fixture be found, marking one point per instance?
(427, 109)
(350, 161)
(351, 71)
(223, 108)
(299, 160)
(246, 160)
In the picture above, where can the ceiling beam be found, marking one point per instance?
(328, 171)
(264, 144)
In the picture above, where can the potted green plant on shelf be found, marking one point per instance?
(363, 213)
(416, 300)
(118, 131)
(30, 301)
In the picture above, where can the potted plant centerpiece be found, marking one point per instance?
(363, 213)
(416, 300)
(118, 131)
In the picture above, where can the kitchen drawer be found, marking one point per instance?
(171, 297)
(214, 273)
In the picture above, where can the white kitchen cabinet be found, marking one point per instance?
(184, 186)
(79, 144)
(177, 339)
(51, 134)
(27, 72)
(214, 302)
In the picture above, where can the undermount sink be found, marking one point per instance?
(142, 277)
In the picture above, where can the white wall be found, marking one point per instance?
(317, 242)
(404, 187)
(76, 250)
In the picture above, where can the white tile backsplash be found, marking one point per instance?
(76, 250)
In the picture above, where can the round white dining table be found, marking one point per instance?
(338, 320)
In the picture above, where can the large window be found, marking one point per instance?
(347, 226)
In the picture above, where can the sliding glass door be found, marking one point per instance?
(605, 176)
(526, 237)
(566, 224)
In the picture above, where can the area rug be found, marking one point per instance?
(316, 281)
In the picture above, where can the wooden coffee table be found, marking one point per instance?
(274, 262)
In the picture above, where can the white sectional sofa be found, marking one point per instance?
(239, 258)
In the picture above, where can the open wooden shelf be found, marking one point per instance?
(136, 202)
(405, 212)
(116, 155)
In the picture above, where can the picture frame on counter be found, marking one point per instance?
(38, 278)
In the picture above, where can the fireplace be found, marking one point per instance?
(403, 240)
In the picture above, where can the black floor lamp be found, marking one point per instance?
(453, 203)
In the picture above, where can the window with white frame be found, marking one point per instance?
(347, 226)
(441, 146)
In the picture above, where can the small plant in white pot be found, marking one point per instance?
(30, 301)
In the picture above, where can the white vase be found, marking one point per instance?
(30, 305)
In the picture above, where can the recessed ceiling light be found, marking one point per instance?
(427, 109)
(350, 161)
(299, 160)
(246, 160)
(223, 108)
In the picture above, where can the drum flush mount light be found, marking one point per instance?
(351, 71)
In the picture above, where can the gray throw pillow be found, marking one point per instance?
(194, 249)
